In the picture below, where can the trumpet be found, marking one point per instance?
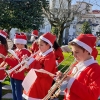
(14, 68)
(3, 65)
(54, 91)
(21, 63)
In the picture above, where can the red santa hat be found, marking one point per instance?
(94, 37)
(86, 41)
(35, 33)
(20, 38)
(3, 33)
(49, 38)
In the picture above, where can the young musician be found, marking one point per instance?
(83, 83)
(3, 50)
(45, 59)
(16, 77)
(34, 48)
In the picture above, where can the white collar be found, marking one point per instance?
(86, 63)
(45, 53)
(82, 65)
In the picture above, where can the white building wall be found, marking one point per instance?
(58, 4)
(46, 27)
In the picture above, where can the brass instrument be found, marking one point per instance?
(21, 63)
(3, 65)
(55, 89)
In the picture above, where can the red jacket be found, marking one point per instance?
(86, 83)
(2, 70)
(59, 55)
(34, 47)
(43, 82)
(12, 61)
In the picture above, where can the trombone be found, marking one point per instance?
(54, 91)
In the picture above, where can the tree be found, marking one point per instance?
(61, 14)
(59, 17)
(86, 28)
(23, 14)
(54, 30)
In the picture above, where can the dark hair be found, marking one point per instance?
(4, 42)
(35, 37)
(75, 44)
(45, 42)
(25, 46)
(14, 47)
(55, 45)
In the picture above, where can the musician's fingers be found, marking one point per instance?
(24, 56)
(68, 77)
(59, 73)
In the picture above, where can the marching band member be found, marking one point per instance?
(16, 78)
(3, 50)
(45, 59)
(84, 81)
(34, 48)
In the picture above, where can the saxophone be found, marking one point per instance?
(54, 91)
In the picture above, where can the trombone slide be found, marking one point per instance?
(14, 68)
(55, 89)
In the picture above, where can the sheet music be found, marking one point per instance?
(29, 80)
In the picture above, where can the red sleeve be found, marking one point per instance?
(59, 55)
(48, 64)
(2, 51)
(34, 47)
(11, 61)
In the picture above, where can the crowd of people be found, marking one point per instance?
(45, 53)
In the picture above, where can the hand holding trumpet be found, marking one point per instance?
(59, 75)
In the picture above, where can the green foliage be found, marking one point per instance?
(23, 14)
(86, 28)
(54, 30)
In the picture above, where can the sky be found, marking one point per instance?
(95, 3)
